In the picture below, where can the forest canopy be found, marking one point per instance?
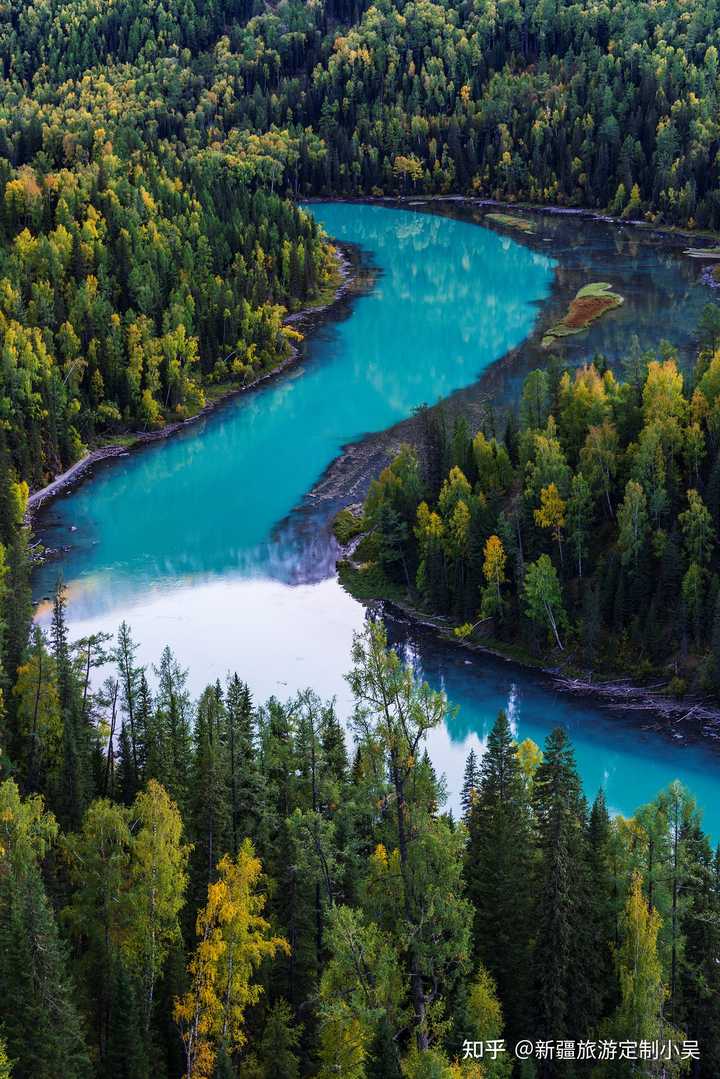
(147, 245)
(223, 889)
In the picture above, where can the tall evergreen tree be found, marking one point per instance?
(471, 782)
(210, 821)
(38, 1015)
(74, 788)
(244, 779)
(563, 914)
(129, 675)
(498, 871)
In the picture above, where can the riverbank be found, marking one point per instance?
(689, 718)
(478, 201)
(120, 446)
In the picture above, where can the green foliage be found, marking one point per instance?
(407, 933)
(497, 859)
(151, 156)
(38, 1014)
(346, 526)
(543, 596)
(588, 534)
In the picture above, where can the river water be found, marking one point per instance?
(208, 541)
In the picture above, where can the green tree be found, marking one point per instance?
(99, 919)
(233, 939)
(38, 1014)
(543, 596)
(632, 523)
(579, 518)
(393, 715)
(563, 916)
(497, 870)
(698, 530)
(156, 889)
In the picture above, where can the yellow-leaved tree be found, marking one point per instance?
(233, 940)
(551, 513)
(5, 1065)
(494, 572)
(158, 881)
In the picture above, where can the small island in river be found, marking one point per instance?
(511, 221)
(590, 303)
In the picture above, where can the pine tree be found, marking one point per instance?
(700, 976)
(169, 750)
(334, 750)
(244, 779)
(471, 781)
(38, 1015)
(603, 900)
(99, 917)
(279, 1043)
(37, 746)
(74, 786)
(497, 870)
(129, 678)
(563, 917)
(210, 820)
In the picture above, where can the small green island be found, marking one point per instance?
(591, 303)
(511, 221)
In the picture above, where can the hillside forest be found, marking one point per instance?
(221, 887)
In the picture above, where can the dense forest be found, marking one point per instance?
(148, 152)
(216, 889)
(584, 533)
(219, 888)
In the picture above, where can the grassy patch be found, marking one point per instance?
(510, 221)
(347, 525)
(590, 303)
(367, 581)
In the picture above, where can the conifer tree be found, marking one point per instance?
(170, 740)
(471, 782)
(392, 717)
(563, 916)
(74, 784)
(211, 809)
(604, 900)
(279, 1043)
(38, 1015)
(244, 778)
(498, 867)
(98, 918)
(129, 675)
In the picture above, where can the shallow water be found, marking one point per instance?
(183, 540)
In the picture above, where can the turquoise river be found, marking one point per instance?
(209, 541)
